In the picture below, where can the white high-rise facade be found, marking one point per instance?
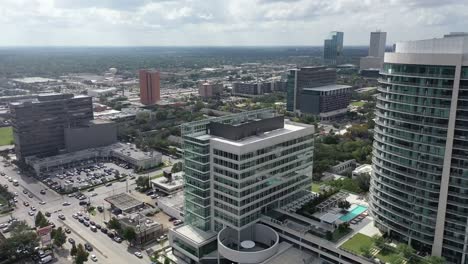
(419, 188)
(238, 168)
(377, 44)
(374, 60)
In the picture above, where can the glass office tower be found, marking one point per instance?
(333, 48)
(419, 188)
(238, 168)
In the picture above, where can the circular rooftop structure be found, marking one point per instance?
(254, 244)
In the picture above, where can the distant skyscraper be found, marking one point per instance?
(376, 51)
(333, 48)
(377, 44)
(420, 180)
(150, 91)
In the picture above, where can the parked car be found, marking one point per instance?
(138, 254)
(71, 240)
(88, 246)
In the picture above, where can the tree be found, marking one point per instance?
(73, 251)
(344, 205)
(406, 250)
(434, 260)
(366, 251)
(40, 220)
(21, 243)
(81, 255)
(59, 237)
(379, 241)
(114, 224)
(167, 260)
(177, 167)
(363, 181)
(129, 234)
(143, 183)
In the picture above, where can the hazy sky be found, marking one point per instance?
(222, 22)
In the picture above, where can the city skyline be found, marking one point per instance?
(222, 23)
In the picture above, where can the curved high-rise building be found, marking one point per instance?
(419, 189)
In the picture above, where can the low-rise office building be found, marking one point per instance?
(95, 133)
(173, 205)
(327, 102)
(118, 151)
(169, 184)
(146, 229)
(208, 89)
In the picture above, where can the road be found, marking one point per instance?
(106, 250)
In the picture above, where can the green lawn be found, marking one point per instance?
(316, 187)
(357, 242)
(387, 256)
(6, 136)
(358, 104)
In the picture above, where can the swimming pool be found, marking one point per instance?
(353, 213)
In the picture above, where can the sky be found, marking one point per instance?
(223, 22)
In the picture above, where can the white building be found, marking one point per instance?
(101, 92)
(375, 57)
(173, 205)
(238, 168)
(363, 169)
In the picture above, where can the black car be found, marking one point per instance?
(111, 235)
(42, 192)
(98, 226)
(83, 203)
(71, 240)
(104, 230)
(81, 220)
(85, 223)
(47, 214)
(100, 209)
(92, 223)
(88, 247)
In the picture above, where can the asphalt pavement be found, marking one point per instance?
(106, 250)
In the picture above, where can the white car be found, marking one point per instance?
(138, 254)
(42, 203)
(93, 258)
(33, 208)
(31, 213)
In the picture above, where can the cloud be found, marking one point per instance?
(223, 22)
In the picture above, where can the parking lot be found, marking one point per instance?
(33, 196)
(86, 175)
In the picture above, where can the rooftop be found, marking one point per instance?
(268, 135)
(176, 201)
(327, 88)
(176, 183)
(453, 43)
(194, 234)
(140, 222)
(123, 201)
(130, 150)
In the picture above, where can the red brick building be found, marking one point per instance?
(150, 90)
